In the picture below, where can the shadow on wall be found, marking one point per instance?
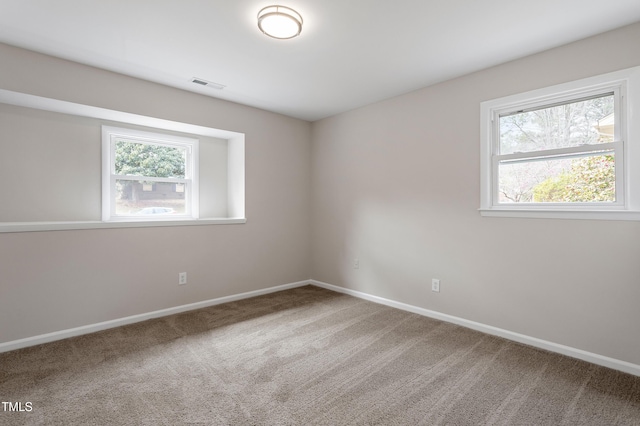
(393, 250)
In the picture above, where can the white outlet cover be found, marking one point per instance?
(435, 285)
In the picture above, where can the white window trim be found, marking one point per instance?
(109, 136)
(627, 138)
(9, 227)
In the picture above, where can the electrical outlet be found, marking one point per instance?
(182, 278)
(435, 285)
(356, 263)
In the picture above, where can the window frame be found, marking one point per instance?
(110, 134)
(625, 87)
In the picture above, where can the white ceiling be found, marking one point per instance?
(350, 53)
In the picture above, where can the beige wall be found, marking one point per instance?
(51, 167)
(396, 184)
(51, 281)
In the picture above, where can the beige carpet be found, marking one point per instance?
(307, 356)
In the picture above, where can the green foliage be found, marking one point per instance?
(137, 159)
(556, 127)
(590, 179)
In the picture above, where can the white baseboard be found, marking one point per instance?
(613, 363)
(92, 328)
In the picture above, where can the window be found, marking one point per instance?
(64, 135)
(563, 153)
(148, 176)
(561, 149)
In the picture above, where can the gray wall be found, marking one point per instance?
(396, 184)
(51, 167)
(51, 281)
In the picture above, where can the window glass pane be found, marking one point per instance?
(140, 159)
(567, 180)
(588, 121)
(139, 198)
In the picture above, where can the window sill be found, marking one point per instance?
(6, 227)
(562, 214)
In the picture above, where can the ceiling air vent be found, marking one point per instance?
(211, 84)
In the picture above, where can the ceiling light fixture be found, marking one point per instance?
(280, 22)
